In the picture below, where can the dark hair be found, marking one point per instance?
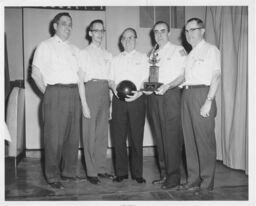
(162, 22)
(59, 15)
(198, 21)
(130, 29)
(99, 21)
(56, 20)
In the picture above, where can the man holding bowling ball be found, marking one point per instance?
(128, 111)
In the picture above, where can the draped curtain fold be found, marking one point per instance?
(227, 28)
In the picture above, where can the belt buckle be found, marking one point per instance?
(186, 87)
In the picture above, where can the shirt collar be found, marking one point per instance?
(199, 45)
(124, 53)
(164, 47)
(59, 40)
(94, 46)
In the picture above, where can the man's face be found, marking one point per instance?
(161, 34)
(194, 33)
(97, 33)
(63, 27)
(128, 41)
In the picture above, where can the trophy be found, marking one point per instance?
(153, 83)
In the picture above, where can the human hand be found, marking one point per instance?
(147, 92)
(162, 89)
(86, 111)
(205, 109)
(136, 95)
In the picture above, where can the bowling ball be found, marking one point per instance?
(125, 88)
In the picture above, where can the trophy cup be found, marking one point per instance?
(153, 83)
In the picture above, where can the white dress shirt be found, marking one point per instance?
(95, 62)
(57, 61)
(132, 66)
(171, 62)
(201, 63)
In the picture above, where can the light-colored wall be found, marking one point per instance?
(13, 30)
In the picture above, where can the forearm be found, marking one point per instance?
(112, 85)
(214, 86)
(176, 82)
(40, 85)
(38, 79)
(81, 90)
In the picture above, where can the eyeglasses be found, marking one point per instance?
(162, 31)
(130, 38)
(192, 29)
(97, 31)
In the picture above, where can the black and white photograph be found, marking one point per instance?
(128, 103)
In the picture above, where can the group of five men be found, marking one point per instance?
(78, 82)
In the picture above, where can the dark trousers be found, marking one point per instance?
(165, 120)
(61, 113)
(128, 117)
(95, 129)
(199, 137)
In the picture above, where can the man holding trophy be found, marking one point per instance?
(164, 100)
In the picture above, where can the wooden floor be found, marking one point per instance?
(28, 184)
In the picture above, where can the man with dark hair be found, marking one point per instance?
(129, 115)
(55, 71)
(202, 76)
(164, 107)
(94, 61)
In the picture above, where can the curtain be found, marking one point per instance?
(227, 28)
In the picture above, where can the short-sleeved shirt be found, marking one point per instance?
(171, 62)
(202, 62)
(132, 66)
(57, 61)
(95, 62)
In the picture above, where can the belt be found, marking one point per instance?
(63, 85)
(98, 80)
(196, 86)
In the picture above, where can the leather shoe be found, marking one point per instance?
(168, 186)
(139, 180)
(159, 181)
(67, 179)
(80, 179)
(120, 178)
(93, 180)
(56, 185)
(189, 187)
(105, 175)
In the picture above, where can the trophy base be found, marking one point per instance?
(151, 86)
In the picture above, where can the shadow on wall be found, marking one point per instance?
(184, 42)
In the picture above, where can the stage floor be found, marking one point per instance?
(28, 184)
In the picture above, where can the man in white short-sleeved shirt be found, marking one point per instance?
(55, 71)
(94, 62)
(202, 75)
(164, 107)
(129, 115)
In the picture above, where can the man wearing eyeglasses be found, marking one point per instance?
(202, 76)
(129, 115)
(164, 107)
(94, 61)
